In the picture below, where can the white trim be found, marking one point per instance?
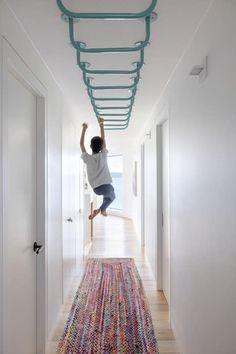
(159, 205)
(164, 116)
(13, 63)
(142, 191)
(176, 335)
(42, 213)
(1, 203)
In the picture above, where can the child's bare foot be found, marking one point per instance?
(103, 212)
(95, 213)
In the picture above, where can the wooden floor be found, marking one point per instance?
(115, 237)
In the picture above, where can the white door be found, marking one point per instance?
(150, 200)
(165, 210)
(24, 202)
(70, 193)
(19, 205)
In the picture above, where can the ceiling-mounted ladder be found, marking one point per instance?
(113, 121)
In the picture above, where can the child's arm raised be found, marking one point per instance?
(85, 127)
(101, 121)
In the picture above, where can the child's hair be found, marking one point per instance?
(96, 144)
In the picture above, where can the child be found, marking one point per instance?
(97, 169)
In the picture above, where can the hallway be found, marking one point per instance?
(115, 237)
(159, 76)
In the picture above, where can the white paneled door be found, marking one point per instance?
(20, 220)
(150, 201)
(165, 210)
(70, 201)
(22, 217)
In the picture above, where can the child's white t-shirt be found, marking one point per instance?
(97, 168)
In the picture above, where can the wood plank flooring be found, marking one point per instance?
(115, 237)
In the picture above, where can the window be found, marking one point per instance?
(115, 163)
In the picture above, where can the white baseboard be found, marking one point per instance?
(175, 332)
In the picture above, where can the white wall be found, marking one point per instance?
(13, 32)
(203, 173)
(202, 188)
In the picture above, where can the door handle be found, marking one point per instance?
(37, 247)
(69, 220)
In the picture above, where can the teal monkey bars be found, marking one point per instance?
(113, 121)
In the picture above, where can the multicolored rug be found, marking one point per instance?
(110, 313)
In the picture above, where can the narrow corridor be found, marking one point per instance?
(172, 163)
(115, 237)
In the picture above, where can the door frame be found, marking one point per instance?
(159, 205)
(163, 117)
(166, 121)
(142, 193)
(12, 62)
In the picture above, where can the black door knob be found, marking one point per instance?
(37, 247)
(69, 220)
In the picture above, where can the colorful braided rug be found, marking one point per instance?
(110, 314)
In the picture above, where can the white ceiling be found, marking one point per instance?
(170, 35)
